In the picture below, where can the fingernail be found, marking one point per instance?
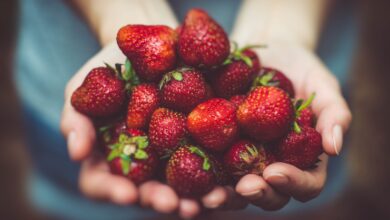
(186, 212)
(256, 193)
(212, 201)
(278, 178)
(210, 204)
(72, 139)
(337, 137)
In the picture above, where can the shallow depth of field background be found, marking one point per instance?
(367, 195)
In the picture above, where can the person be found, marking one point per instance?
(54, 43)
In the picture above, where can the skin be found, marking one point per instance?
(289, 49)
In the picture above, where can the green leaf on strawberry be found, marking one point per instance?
(206, 163)
(125, 164)
(140, 154)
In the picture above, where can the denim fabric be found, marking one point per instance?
(54, 42)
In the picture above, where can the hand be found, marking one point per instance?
(95, 179)
(308, 74)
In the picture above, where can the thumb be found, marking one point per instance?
(79, 131)
(333, 114)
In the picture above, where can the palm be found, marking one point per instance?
(308, 75)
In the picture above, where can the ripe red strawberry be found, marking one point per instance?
(304, 116)
(273, 77)
(102, 93)
(300, 149)
(237, 75)
(108, 134)
(150, 48)
(237, 99)
(190, 172)
(202, 42)
(167, 130)
(131, 156)
(266, 114)
(245, 157)
(213, 124)
(143, 101)
(183, 89)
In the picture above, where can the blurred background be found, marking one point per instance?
(366, 195)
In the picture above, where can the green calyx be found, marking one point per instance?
(237, 54)
(173, 75)
(265, 79)
(127, 149)
(206, 161)
(250, 153)
(127, 74)
(300, 105)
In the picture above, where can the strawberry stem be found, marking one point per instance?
(307, 102)
(112, 69)
(297, 129)
(206, 162)
(176, 75)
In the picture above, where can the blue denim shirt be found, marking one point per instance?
(54, 43)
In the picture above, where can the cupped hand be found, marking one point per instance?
(95, 179)
(308, 74)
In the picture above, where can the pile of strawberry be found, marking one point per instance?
(187, 110)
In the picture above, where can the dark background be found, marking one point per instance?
(367, 195)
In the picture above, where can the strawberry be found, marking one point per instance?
(108, 134)
(132, 157)
(273, 77)
(299, 148)
(150, 48)
(144, 100)
(190, 172)
(183, 89)
(237, 99)
(245, 157)
(167, 130)
(213, 124)
(237, 74)
(304, 116)
(266, 114)
(202, 42)
(101, 94)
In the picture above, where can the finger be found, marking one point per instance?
(260, 193)
(332, 110)
(302, 185)
(188, 208)
(79, 132)
(97, 182)
(234, 200)
(76, 127)
(215, 198)
(160, 197)
(224, 197)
